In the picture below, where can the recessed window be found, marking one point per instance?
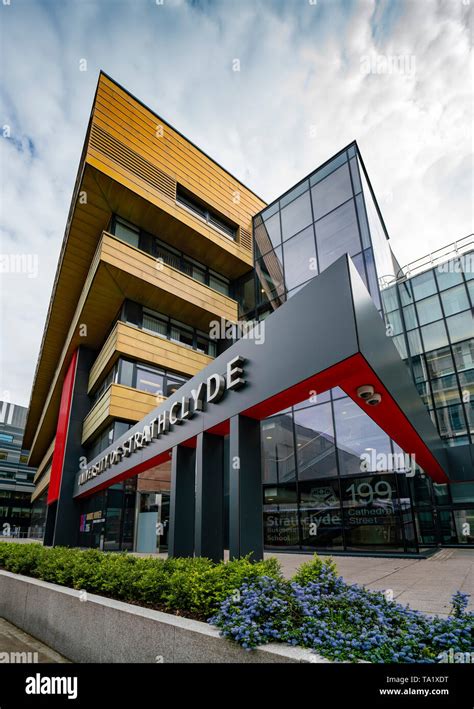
(188, 200)
(127, 232)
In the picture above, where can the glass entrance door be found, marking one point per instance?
(153, 522)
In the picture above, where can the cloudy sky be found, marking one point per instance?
(312, 78)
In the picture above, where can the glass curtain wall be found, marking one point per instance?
(332, 478)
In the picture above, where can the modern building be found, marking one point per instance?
(16, 478)
(161, 244)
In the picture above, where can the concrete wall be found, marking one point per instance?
(100, 629)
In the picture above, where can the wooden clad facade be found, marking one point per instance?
(118, 402)
(129, 341)
(133, 165)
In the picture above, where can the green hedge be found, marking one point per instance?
(189, 587)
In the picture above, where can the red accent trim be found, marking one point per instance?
(62, 430)
(190, 443)
(222, 429)
(349, 375)
(131, 472)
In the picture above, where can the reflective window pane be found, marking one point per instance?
(315, 448)
(278, 450)
(355, 175)
(448, 274)
(173, 383)
(267, 233)
(467, 264)
(439, 362)
(400, 344)
(455, 300)
(414, 342)
(300, 258)
(404, 290)
(451, 421)
(280, 517)
(464, 520)
(296, 216)
(320, 514)
(337, 234)
(409, 314)
(361, 444)
(434, 336)
(360, 265)
(372, 277)
(389, 299)
(446, 390)
(423, 285)
(429, 310)
(269, 271)
(420, 370)
(464, 355)
(461, 327)
(327, 169)
(363, 223)
(294, 193)
(331, 192)
(150, 380)
(393, 322)
(370, 512)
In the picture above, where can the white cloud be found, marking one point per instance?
(300, 73)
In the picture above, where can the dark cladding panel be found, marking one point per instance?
(245, 489)
(182, 502)
(209, 510)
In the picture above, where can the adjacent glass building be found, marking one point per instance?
(16, 478)
(332, 478)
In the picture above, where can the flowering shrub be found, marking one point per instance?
(460, 601)
(340, 621)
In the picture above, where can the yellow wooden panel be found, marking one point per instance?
(45, 462)
(41, 486)
(137, 125)
(130, 341)
(121, 402)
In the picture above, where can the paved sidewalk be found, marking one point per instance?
(425, 584)
(23, 648)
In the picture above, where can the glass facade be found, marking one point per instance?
(16, 478)
(332, 478)
(430, 317)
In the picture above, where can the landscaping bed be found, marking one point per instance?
(253, 605)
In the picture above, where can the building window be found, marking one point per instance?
(155, 323)
(149, 379)
(186, 199)
(126, 232)
(168, 255)
(164, 326)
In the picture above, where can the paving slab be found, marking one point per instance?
(16, 646)
(424, 584)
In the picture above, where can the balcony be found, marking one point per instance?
(118, 402)
(119, 271)
(130, 341)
